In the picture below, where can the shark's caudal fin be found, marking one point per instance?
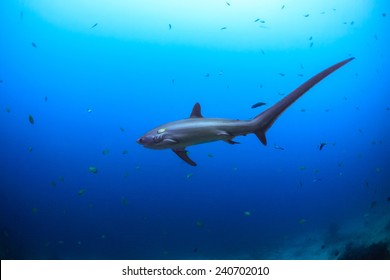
(264, 121)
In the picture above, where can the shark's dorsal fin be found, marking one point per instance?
(183, 154)
(196, 111)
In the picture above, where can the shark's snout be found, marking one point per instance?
(141, 140)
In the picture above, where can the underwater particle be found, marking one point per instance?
(122, 129)
(31, 119)
(210, 155)
(34, 210)
(352, 23)
(169, 26)
(93, 26)
(21, 15)
(81, 192)
(105, 151)
(8, 109)
(1, 81)
(126, 174)
(34, 45)
(258, 104)
(189, 175)
(262, 51)
(388, 199)
(311, 44)
(53, 183)
(103, 236)
(89, 110)
(223, 28)
(125, 152)
(307, 15)
(30, 149)
(373, 204)
(316, 180)
(323, 247)
(310, 38)
(322, 145)
(199, 224)
(376, 37)
(302, 167)
(173, 81)
(302, 221)
(61, 179)
(300, 75)
(247, 213)
(235, 169)
(92, 169)
(45, 98)
(383, 14)
(303, 110)
(282, 74)
(378, 170)
(207, 75)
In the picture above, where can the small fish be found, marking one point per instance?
(169, 26)
(210, 155)
(227, 3)
(282, 7)
(45, 98)
(258, 104)
(30, 149)
(322, 145)
(81, 192)
(281, 74)
(307, 15)
(256, 20)
(388, 199)
(8, 109)
(376, 37)
(173, 81)
(92, 169)
(89, 110)
(302, 221)
(189, 175)
(311, 44)
(93, 26)
(316, 180)
(31, 119)
(1, 81)
(310, 38)
(223, 28)
(34, 45)
(105, 151)
(300, 75)
(303, 110)
(383, 14)
(373, 204)
(247, 213)
(125, 152)
(207, 75)
(262, 51)
(278, 147)
(122, 129)
(352, 23)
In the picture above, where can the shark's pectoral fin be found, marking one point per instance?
(230, 141)
(183, 154)
(261, 136)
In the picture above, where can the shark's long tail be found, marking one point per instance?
(264, 121)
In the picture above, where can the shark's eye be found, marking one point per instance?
(158, 138)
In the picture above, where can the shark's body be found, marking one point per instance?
(195, 130)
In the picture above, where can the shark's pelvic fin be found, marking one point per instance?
(196, 111)
(183, 154)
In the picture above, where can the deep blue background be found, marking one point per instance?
(243, 201)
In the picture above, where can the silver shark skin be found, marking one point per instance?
(196, 129)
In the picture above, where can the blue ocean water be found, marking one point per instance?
(81, 81)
